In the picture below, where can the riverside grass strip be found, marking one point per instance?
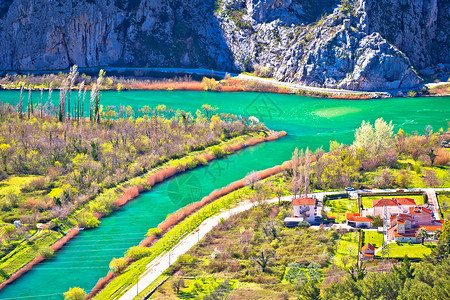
(113, 286)
(132, 188)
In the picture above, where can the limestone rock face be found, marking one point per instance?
(300, 41)
(54, 34)
(410, 25)
(261, 10)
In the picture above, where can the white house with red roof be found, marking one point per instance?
(393, 206)
(367, 251)
(305, 208)
(357, 221)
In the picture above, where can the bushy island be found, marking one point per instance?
(252, 255)
(66, 165)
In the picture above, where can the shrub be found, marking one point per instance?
(412, 94)
(87, 220)
(217, 151)
(154, 231)
(35, 185)
(117, 265)
(47, 252)
(75, 293)
(209, 84)
(138, 252)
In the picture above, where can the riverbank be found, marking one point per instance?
(175, 228)
(177, 79)
(132, 188)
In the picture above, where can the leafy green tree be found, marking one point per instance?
(443, 245)
(293, 272)
(75, 293)
(310, 292)
(423, 234)
(4, 152)
(262, 259)
(357, 272)
(178, 284)
(374, 139)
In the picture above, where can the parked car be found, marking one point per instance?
(400, 191)
(349, 189)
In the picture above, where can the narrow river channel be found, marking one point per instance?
(308, 121)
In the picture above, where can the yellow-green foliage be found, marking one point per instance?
(21, 255)
(13, 184)
(120, 284)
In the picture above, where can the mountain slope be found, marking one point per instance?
(301, 41)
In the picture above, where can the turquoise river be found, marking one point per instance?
(308, 121)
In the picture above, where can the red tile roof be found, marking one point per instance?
(356, 217)
(405, 201)
(406, 234)
(404, 216)
(419, 210)
(429, 227)
(384, 202)
(304, 201)
(368, 246)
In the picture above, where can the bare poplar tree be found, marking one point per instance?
(21, 101)
(41, 101)
(80, 89)
(82, 103)
(49, 101)
(30, 102)
(295, 163)
(307, 162)
(62, 99)
(300, 173)
(93, 96)
(71, 78)
(100, 78)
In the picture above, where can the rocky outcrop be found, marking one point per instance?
(410, 25)
(55, 34)
(292, 40)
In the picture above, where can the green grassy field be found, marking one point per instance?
(444, 203)
(347, 250)
(373, 237)
(412, 250)
(339, 207)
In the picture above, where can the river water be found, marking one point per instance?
(308, 121)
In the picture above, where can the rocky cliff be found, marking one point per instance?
(355, 44)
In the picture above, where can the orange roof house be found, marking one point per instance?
(355, 220)
(304, 201)
(368, 251)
